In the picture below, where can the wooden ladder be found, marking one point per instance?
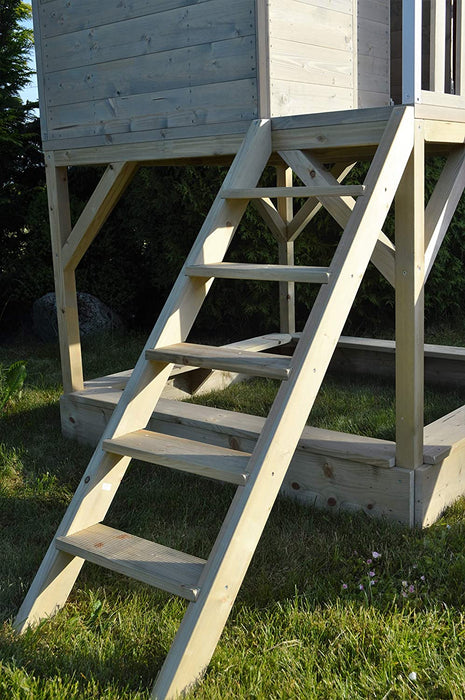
(211, 586)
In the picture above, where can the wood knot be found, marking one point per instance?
(328, 470)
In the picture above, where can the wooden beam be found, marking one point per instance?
(65, 282)
(312, 206)
(271, 217)
(460, 49)
(309, 169)
(442, 205)
(411, 51)
(286, 254)
(114, 181)
(410, 266)
(437, 54)
(287, 192)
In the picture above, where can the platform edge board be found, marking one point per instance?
(149, 562)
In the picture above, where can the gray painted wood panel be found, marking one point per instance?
(197, 65)
(184, 107)
(64, 16)
(198, 24)
(129, 72)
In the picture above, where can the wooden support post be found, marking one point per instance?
(286, 255)
(459, 44)
(437, 71)
(65, 282)
(411, 51)
(410, 275)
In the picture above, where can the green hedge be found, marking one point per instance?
(134, 261)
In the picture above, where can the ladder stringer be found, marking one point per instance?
(98, 486)
(204, 620)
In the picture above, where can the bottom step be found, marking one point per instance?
(140, 559)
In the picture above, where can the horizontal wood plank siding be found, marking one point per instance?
(160, 70)
(131, 140)
(65, 16)
(147, 35)
(327, 55)
(311, 56)
(304, 63)
(185, 107)
(373, 53)
(216, 62)
(129, 74)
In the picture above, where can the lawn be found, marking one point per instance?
(333, 606)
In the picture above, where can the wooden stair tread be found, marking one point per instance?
(152, 563)
(180, 453)
(321, 191)
(278, 273)
(229, 359)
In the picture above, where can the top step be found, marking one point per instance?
(270, 273)
(323, 191)
(228, 359)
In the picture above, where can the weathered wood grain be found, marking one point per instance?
(152, 563)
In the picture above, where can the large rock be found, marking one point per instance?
(94, 316)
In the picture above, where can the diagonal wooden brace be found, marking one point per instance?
(311, 172)
(106, 195)
(442, 205)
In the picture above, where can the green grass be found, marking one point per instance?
(302, 626)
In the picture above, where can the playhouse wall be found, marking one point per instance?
(328, 55)
(115, 72)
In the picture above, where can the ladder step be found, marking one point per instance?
(199, 458)
(140, 559)
(322, 191)
(276, 273)
(232, 360)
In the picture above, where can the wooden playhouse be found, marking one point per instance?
(298, 84)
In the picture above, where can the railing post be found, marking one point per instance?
(411, 51)
(459, 31)
(437, 57)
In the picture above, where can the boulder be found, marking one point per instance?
(94, 316)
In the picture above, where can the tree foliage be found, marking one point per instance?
(134, 261)
(20, 161)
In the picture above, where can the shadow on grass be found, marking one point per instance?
(116, 631)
